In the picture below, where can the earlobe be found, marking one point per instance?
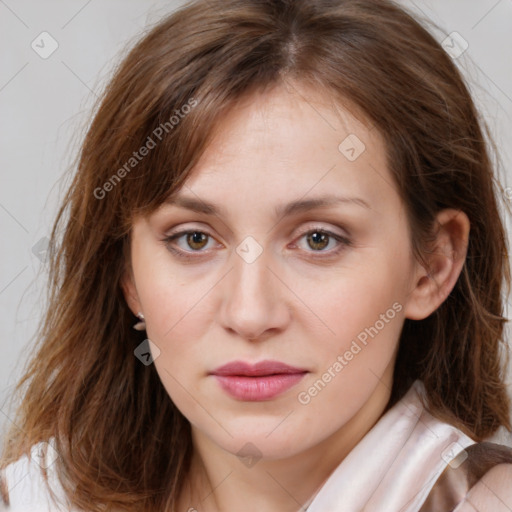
(445, 262)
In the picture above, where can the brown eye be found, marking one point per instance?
(196, 239)
(322, 243)
(188, 244)
(318, 240)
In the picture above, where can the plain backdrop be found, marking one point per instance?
(48, 88)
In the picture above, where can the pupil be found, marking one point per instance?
(197, 238)
(318, 238)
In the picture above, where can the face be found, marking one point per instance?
(321, 287)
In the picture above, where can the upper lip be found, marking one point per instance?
(266, 367)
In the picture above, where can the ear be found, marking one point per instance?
(130, 291)
(445, 262)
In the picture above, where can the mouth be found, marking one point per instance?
(261, 381)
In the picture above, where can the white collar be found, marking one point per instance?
(395, 465)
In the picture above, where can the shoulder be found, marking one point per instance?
(479, 479)
(492, 493)
(26, 486)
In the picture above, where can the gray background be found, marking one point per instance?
(44, 105)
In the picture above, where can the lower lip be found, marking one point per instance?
(258, 388)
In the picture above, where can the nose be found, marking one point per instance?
(255, 304)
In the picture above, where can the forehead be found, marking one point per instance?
(290, 142)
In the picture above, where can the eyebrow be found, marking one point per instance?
(283, 210)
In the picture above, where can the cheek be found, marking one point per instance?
(171, 307)
(364, 311)
(176, 326)
(353, 302)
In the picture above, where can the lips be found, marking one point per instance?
(261, 381)
(266, 367)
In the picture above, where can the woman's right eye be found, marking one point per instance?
(193, 238)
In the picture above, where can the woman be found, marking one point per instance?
(296, 202)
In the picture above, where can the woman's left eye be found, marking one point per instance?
(319, 239)
(316, 239)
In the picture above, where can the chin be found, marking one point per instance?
(251, 443)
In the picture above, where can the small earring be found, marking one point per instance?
(140, 326)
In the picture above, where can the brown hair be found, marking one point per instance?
(121, 440)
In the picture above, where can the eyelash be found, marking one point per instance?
(343, 241)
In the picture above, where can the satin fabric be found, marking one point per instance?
(395, 465)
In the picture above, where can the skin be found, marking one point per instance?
(290, 304)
